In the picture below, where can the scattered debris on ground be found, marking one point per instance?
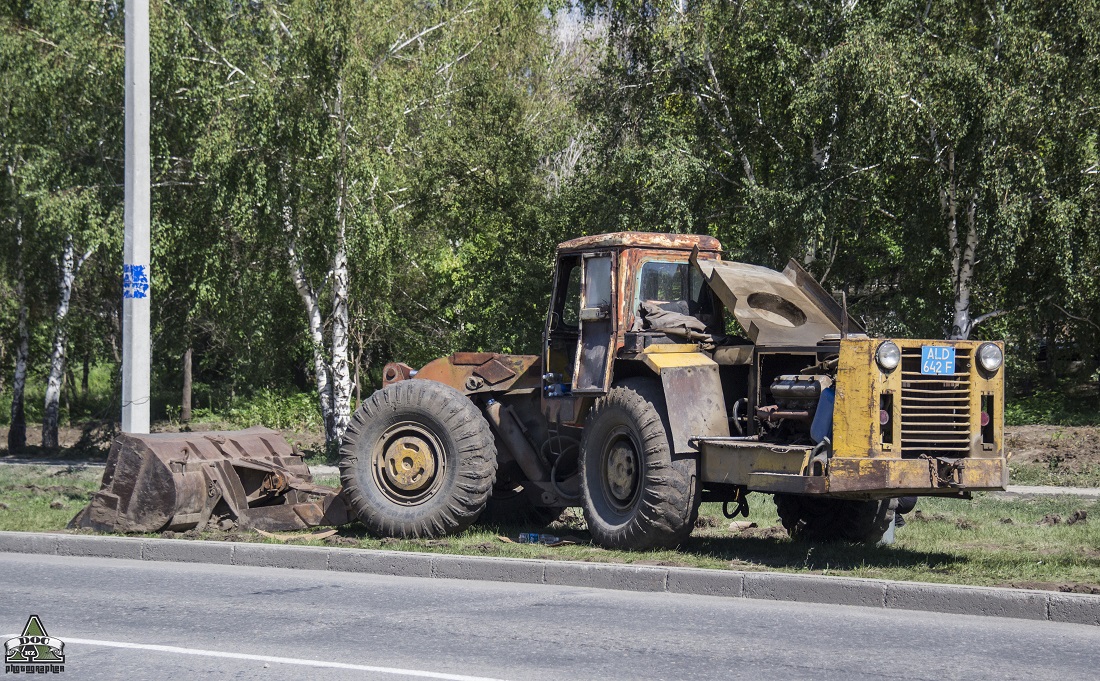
(285, 537)
(773, 532)
(921, 516)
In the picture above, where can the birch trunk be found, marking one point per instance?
(17, 433)
(70, 266)
(341, 374)
(316, 328)
(964, 274)
(963, 247)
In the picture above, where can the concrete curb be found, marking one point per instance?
(772, 586)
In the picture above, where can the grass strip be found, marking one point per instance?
(991, 541)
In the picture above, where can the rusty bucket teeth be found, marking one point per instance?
(187, 481)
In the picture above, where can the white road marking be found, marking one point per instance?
(279, 660)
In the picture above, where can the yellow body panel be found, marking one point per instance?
(733, 462)
(661, 359)
(666, 348)
(938, 446)
(860, 385)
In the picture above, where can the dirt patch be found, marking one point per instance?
(90, 442)
(1072, 447)
(704, 521)
(921, 517)
(773, 532)
(662, 563)
(1067, 588)
(66, 436)
(69, 491)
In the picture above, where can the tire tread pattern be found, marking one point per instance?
(471, 464)
(669, 504)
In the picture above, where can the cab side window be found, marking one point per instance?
(570, 313)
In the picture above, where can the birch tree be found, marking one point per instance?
(328, 101)
(61, 111)
(873, 141)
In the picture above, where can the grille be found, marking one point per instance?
(935, 410)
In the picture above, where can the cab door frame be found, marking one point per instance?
(599, 305)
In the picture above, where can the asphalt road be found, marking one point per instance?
(138, 620)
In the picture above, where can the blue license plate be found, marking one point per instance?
(936, 360)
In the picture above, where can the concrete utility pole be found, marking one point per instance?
(136, 276)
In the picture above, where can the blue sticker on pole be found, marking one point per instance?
(135, 281)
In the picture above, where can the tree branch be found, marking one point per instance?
(1073, 316)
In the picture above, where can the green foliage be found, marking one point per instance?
(865, 140)
(278, 410)
(42, 498)
(98, 403)
(1054, 474)
(1064, 407)
(456, 144)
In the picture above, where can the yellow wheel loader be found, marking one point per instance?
(668, 377)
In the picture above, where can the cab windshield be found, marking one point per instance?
(674, 287)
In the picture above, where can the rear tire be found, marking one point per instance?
(637, 493)
(817, 519)
(417, 460)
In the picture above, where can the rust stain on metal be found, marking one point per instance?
(471, 358)
(694, 405)
(396, 371)
(774, 414)
(684, 242)
(494, 371)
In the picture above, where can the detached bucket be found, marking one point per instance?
(185, 481)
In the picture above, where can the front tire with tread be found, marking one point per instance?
(657, 508)
(461, 452)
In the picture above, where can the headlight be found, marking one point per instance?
(888, 356)
(990, 357)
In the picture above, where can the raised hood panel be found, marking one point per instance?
(775, 308)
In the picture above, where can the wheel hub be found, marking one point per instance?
(409, 463)
(622, 470)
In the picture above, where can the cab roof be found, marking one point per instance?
(680, 242)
